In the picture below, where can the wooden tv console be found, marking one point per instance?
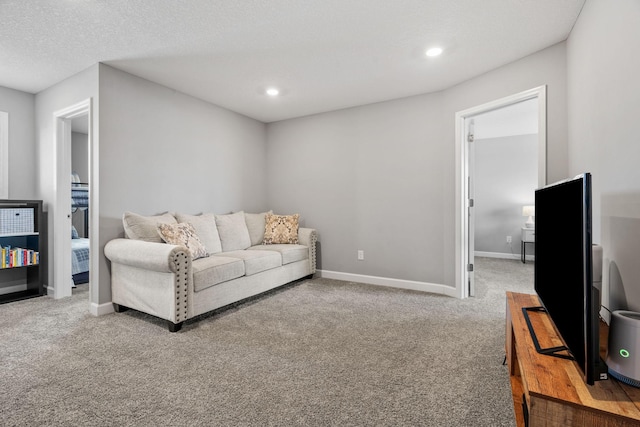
(552, 389)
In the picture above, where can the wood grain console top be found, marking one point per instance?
(560, 380)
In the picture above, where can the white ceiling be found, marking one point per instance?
(323, 54)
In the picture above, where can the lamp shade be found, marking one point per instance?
(528, 211)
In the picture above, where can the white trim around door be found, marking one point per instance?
(4, 155)
(462, 173)
(61, 263)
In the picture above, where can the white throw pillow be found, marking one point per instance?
(206, 229)
(233, 231)
(255, 225)
(139, 227)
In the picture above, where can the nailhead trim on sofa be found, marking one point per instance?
(182, 266)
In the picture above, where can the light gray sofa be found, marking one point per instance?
(164, 280)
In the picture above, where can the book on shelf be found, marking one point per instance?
(18, 257)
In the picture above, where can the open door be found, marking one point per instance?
(465, 191)
(61, 209)
(469, 125)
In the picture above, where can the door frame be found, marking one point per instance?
(62, 195)
(462, 172)
(4, 155)
(470, 217)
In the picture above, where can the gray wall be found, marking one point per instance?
(547, 67)
(80, 155)
(22, 159)
(22, 142)
(381, 177)
(161, 150)
(367, 178)
(506, 178)
(604, 106)
(80, 165)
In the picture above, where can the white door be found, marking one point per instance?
(61, 256)
(469, 125)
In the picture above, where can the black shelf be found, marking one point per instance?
(20, 295)
(29, 278)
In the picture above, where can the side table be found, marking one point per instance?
(528, 236)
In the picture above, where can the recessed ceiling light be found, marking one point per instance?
(272, 91)
(434, 51)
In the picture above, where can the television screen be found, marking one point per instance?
(563, 267)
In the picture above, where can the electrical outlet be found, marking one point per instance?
(360, 255)
(508, 239)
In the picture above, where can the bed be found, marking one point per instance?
(80, 200)
(80, 260)
(80, 245)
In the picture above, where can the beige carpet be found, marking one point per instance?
(319, 352)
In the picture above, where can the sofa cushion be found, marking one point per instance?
(233, 231)
(255, 225)
(215, 269)
(139, 227)
(183, 235)
(290, 253)
(256, 261)
(281, 229)
(206, 229)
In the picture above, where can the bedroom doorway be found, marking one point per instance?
(79, 115)
(80, 202)
(466, 128)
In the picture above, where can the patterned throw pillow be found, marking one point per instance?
(281, 229)
(183, 234)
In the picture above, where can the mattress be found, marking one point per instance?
(80, 255)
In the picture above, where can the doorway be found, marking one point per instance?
(80, 254)
(65, 119)
(467, 122)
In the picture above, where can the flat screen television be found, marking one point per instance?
(564, 270)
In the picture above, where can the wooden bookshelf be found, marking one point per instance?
(549, 391)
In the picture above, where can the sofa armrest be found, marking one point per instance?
(155, 278)
(145, 255)
(309, 237)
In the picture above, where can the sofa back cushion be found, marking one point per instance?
(140, 227)
(255, 225)
(206, 229)
(233, 231)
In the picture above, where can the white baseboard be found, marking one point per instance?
(51, 292)
(502, 255)
(101, 309)
(393, 283)
(94, 309)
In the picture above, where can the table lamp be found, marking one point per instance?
(530, 212)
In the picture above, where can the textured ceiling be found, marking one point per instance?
(323, 54)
